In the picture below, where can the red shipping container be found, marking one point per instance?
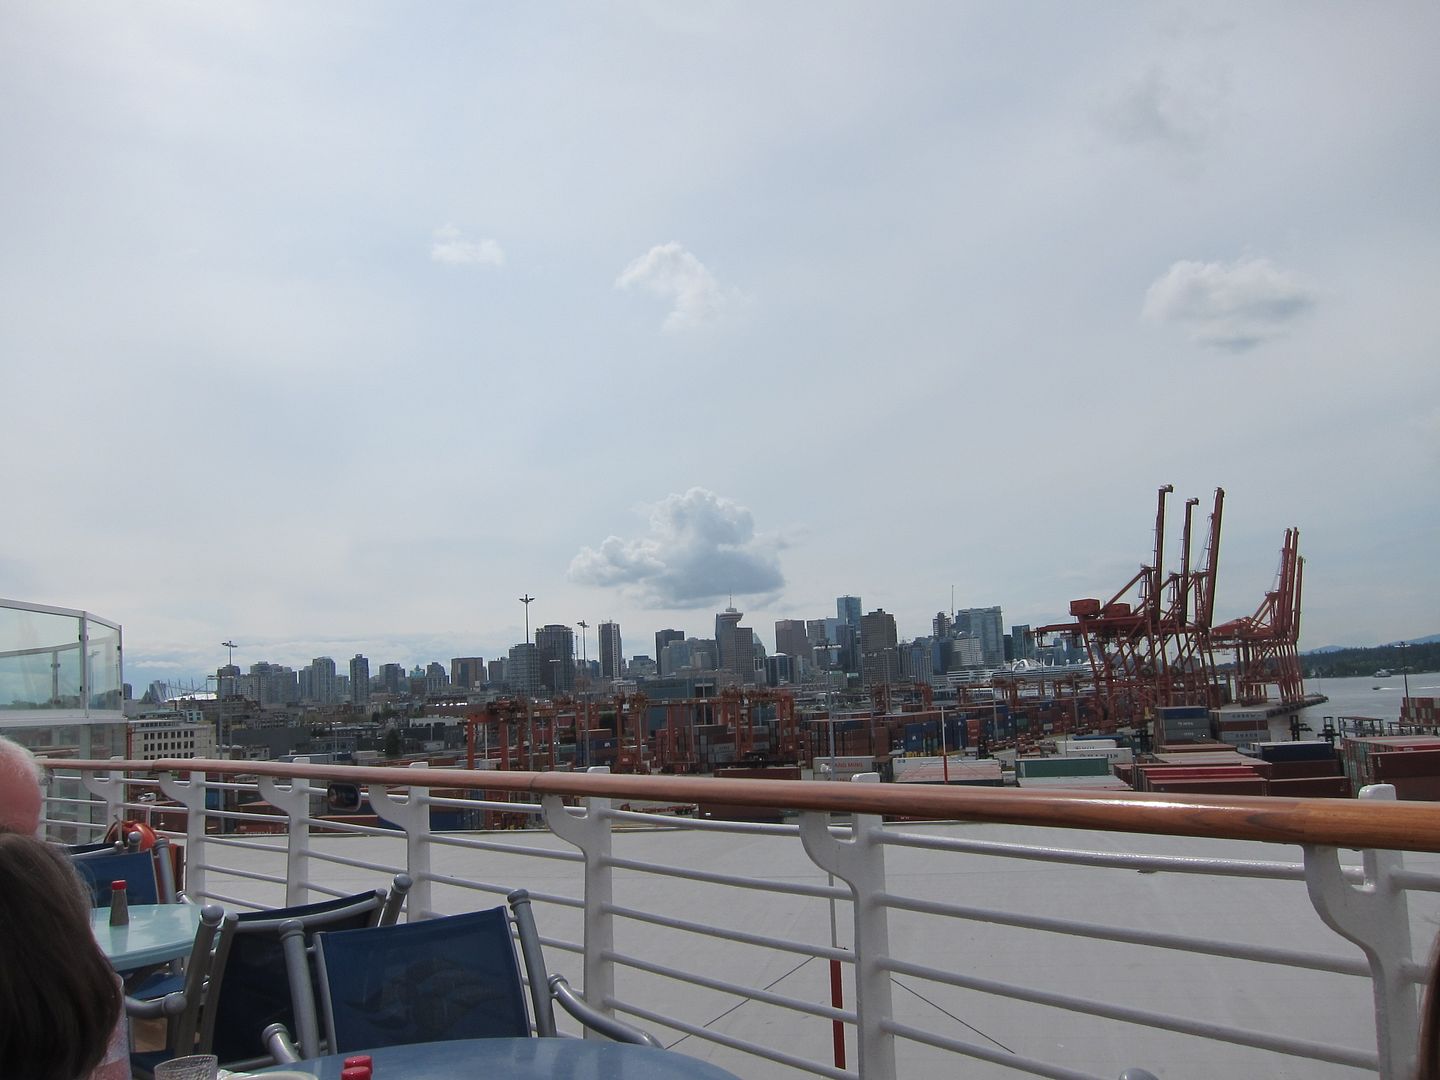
(1314, 787)
(1255, 786)
(1388, 766)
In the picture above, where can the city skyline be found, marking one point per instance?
(570, 302)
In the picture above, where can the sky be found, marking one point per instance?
(336, 328)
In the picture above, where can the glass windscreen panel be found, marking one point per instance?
(102, 657)
(40, 661)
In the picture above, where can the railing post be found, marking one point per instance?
(294, 801)
(191, 795)
(109, 788)
(591, 834)
(860, 863)
(1376, 917)
(412, 816)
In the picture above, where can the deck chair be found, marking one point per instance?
(184, 1002)
(454, 977)
(144, 873)
(254, 990)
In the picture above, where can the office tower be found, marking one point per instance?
(790, 638)
(359, 680)
(317, 681)
(879, 654)
(467, 672)
(437, 679)
(1022, 641)
(663, 638)
(847, 610)
(847, 642)
(392, 679)
(940, 626)
(987, 625)
(555, 643)
(612, 660)
(674, 657)
(495, 671)
(523, 669)
(779, 670)
(966, 651)
(736, 643)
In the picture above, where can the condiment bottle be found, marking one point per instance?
(119, 904)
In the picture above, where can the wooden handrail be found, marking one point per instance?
(1346, 823)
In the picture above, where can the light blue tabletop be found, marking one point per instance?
(519, 1059)
(157, 934)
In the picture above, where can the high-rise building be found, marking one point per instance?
(437, 679)
(495, 671)
(612, 659)
(988, 625)
(736, 642)
(555, 643)
(524, 669)
(467, 672)
(359, 679)
(663, 638)
(1022, 641)
(847, 610)
(318, 681)
(879, 654)
(392, 679)
(790, 638)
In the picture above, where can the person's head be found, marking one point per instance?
(20, 796)
(57, 1017)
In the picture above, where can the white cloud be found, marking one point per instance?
(1228, 305)
(448, 246)
(670, 271)
(701, 547)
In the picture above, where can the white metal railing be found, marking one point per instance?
(933, 929)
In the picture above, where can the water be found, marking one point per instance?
(1366, 696)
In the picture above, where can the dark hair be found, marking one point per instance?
(59, 999)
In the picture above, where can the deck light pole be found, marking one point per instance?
(1404, 674)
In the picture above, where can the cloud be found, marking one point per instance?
(449, 247)
(668, 270)
(701, 547)
(1152, 112)
(1229, 306)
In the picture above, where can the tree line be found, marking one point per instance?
(1345, 663)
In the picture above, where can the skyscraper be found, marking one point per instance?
(986, 624)
(847, 610)
(612, 659)
(467, 672)
(359, 679)
(736, 643)
(879, 655)
(523, 669)
(555, 643)
(663, 638)
(790, 638)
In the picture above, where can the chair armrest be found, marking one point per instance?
(282, 1048)
(155, 1008)
(596, 1020)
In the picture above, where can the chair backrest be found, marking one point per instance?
(203, 971)
(254, 989)
(454, 977)
(137, 868)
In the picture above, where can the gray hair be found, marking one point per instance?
(20, 759)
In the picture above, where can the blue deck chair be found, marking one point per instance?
(454, 977)
(254, 989)
(138, 869)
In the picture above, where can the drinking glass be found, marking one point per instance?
(190, 1067)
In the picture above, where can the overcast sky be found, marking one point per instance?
(336, 328)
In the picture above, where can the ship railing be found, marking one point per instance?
(830, 967)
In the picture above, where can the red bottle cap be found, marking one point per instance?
(119, 885)
(362, 1060)
(355, 1072)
